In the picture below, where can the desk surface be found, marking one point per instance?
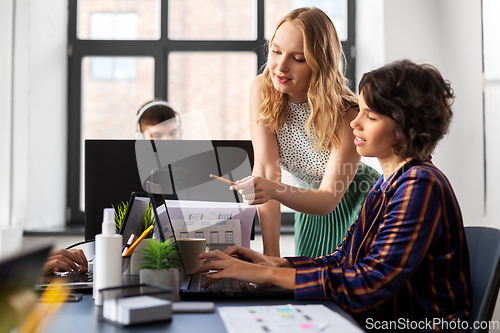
(83, 317)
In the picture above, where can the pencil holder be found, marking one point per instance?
(126, 264)
(135, 260)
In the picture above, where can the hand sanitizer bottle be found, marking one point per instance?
(108, 258)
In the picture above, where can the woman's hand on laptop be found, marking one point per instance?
(231, 267)
(246, 254)
(66, 260)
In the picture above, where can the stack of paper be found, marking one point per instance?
(284, 318)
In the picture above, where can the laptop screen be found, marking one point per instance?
(22, 270)
(164, 229)
(136, 210)
(164, 226)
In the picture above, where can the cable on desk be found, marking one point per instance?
(79, 243)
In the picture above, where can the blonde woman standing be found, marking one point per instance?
(300, 110)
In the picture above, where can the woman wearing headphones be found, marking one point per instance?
(157, 120)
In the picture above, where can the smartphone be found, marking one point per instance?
(69, 298)
(74, 298)
(193, 307)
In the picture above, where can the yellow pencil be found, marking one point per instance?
(141, 237)
(222, 179)
(42, 313)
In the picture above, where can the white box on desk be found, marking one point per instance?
(137, 310)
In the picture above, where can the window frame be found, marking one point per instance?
(159, 50)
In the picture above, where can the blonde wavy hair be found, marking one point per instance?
(328, 94)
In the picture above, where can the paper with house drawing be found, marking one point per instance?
(208, 217)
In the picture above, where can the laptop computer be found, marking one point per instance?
(131, 224)
(21, 271)
(191, 284)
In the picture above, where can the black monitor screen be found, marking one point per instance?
(116, 168)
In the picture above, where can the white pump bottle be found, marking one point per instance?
(108, 261)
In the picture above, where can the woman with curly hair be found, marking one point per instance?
(405, 259)
(300, 110)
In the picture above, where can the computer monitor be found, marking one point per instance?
(116, 168)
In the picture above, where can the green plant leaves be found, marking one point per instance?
(149, 218)
(160, 255)
(120, 211)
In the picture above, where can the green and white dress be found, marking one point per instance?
(318, 235)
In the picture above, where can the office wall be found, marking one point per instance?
(39, 114)
(447, 34)
(370, 43)
(370, 51)
(491, 26)
(6, 39)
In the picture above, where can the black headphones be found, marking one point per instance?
(137, 133)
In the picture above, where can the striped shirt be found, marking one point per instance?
(405, 258)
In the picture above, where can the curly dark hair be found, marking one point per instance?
(417, 98)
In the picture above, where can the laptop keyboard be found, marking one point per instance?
(227, 285)
(75, 276)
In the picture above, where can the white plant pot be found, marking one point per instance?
(135, 259)
(166, 278)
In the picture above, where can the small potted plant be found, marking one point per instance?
(160, 267)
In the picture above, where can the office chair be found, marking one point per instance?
(484, 253)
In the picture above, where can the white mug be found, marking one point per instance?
(190, 249)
